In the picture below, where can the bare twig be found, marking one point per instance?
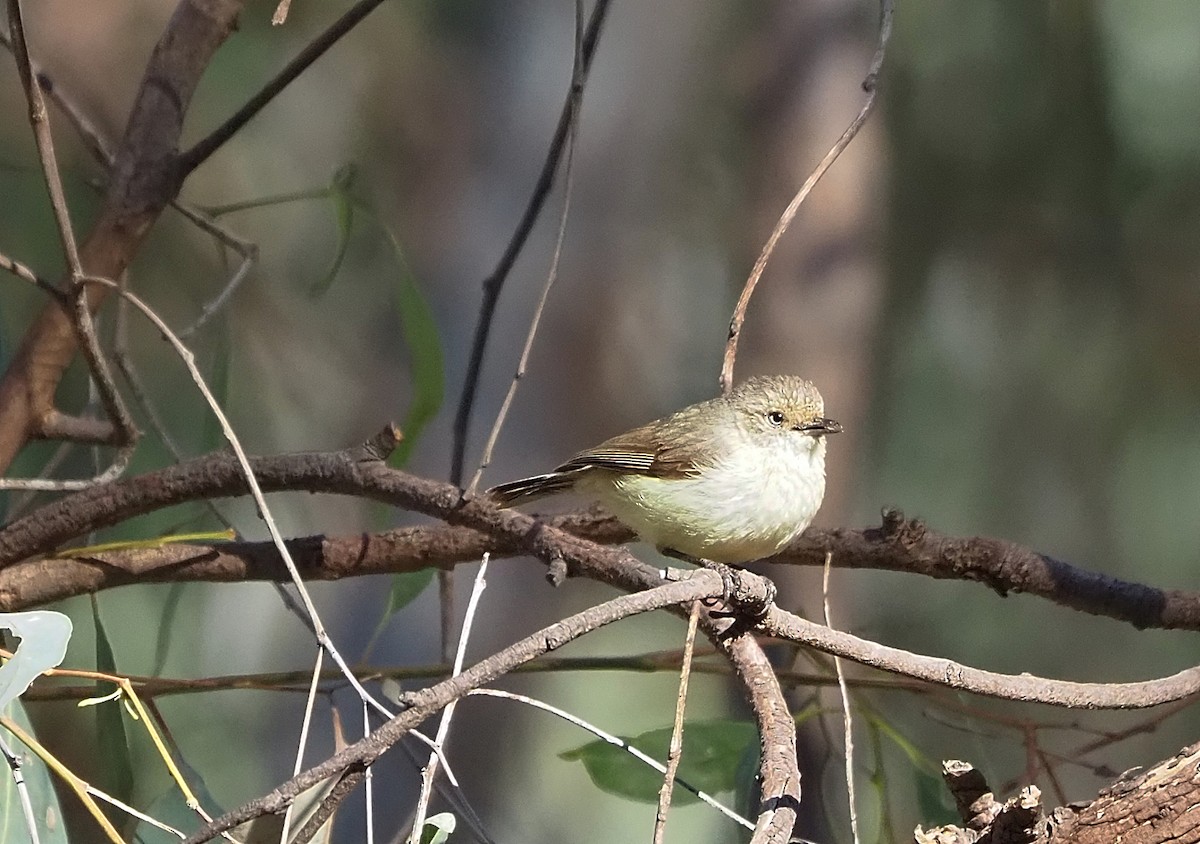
(39, 119)
(552, 275)
(944, 672)
(93, 139)
(309, 704)
(847, 719)
(14, 765)
(198, 154)
(26, 274)
(675, 749)
(870, 85)
(244, 249)
(494, 283)
(779, 767)
(430, 771)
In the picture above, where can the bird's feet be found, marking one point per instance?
(747, 594)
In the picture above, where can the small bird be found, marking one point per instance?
(726, 481)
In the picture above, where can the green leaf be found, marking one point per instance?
(918, 759)
(713, 753)
(47, 814)
(342, 199)
(933, 800)
(117, 771)
(405, 589)
(437, 829)
(167, 626)
(44, 636)
(426, 364)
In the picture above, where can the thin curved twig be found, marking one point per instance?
(206, 146)
(870, 85)
(39, 120)
(494, 283)
(953, 675)
(573, 102)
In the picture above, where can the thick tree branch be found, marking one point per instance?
(898, 545)
(143, 179)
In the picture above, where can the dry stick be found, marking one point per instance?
(847, 721)
(100, 149)
(194, 157)
(39, 119)
(425, 702)
(953, 675)
(95, 142)
(430, 771)
(870, 85)
(564, 139)
(120, 432)
(26, 274)
(296, 682)
(246, 250)
(494, 283)
(675, 749)
(368, 780)
(306, 722)
(552, 276)
(14, 764)
(899, 545)
(125, 433)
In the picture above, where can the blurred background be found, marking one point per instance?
(994, 287)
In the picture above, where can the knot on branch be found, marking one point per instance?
(986, 819)
(895, 529)
(380, 446)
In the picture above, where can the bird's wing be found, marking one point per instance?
(640, 451)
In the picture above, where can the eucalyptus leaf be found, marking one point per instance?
(117, 771)
(437, 829)
(47, 814)
(713, 754)
(44, 635)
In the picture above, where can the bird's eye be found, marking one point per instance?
(775, 417)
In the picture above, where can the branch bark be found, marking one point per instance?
(899, 544)
(143, 180)
(1155, 806)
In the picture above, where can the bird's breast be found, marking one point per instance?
(736, 510)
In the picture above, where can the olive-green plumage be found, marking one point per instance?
(728, 480)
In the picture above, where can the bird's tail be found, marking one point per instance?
(529, 489)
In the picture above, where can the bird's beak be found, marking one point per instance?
(821, 426)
